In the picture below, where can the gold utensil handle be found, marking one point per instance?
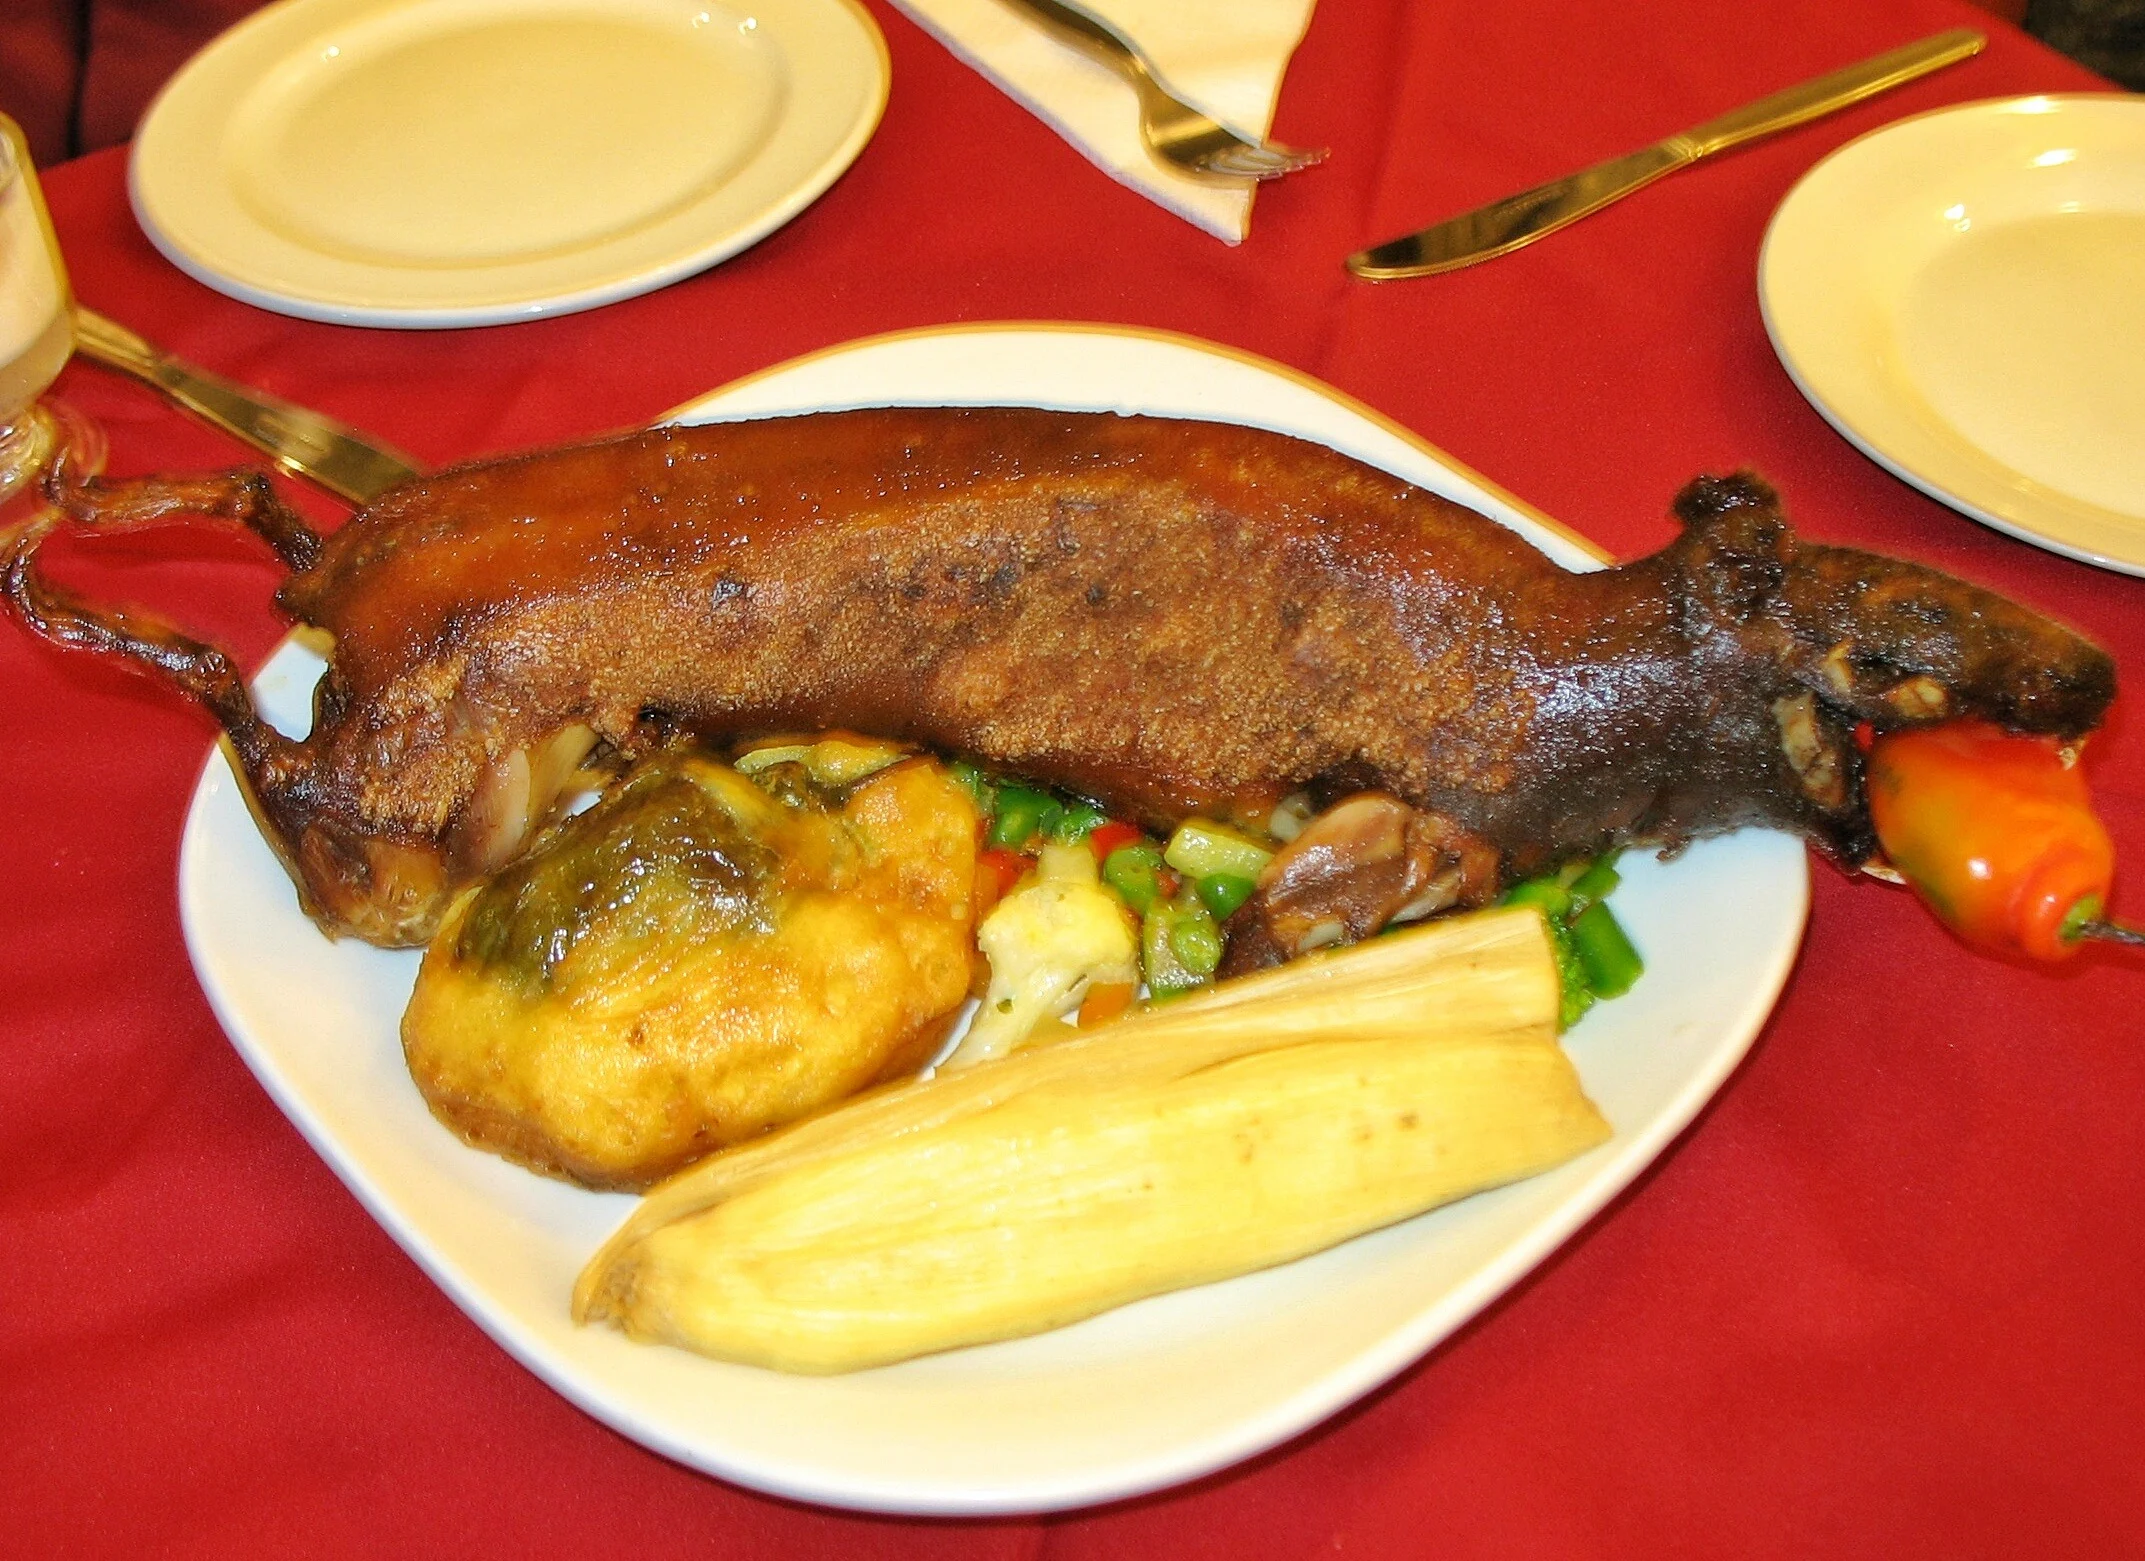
(1829, 93)
(298, 439)
(1517, 220)
(1097, 35)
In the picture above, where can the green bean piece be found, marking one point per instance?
(1167, 974)
(1077, 821)
(1546, 895)
(1201, 848)
(1611, 963)
(1195, 940)
(1592, 882)
(971, 779)
(1023, 814)
(1595, 882)
(1224, 892)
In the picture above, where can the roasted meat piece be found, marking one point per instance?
(1166, 616)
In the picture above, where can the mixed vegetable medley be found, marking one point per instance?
(720, 945)
(1078, 910)
(1078, 913)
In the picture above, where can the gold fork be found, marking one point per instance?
(310, 444)
(1174, 130)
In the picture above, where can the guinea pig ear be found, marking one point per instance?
(1736, 547)
(1709, 500)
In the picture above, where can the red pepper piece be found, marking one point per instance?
(1105, 838)
(997, 870)
(1995, 831)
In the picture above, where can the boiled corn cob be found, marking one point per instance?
(1260, 1122)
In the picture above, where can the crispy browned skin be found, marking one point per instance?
(1166, 616)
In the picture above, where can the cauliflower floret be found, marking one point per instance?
(1047, 944)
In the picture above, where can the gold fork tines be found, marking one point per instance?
(1174, 131)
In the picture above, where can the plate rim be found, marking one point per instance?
(1576, 540)
(2020, 515)
(1613, 1167)
(152, 207)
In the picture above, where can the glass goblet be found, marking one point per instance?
(36, 318)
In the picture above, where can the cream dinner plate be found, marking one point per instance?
(1143, 1397)
(470, 162)
(1962, 295)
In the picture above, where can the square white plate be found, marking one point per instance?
(1143, 1397)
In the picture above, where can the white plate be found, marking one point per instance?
(1140, 1398)
(468, 162)
(1963, 295)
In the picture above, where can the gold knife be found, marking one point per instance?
(1505, 225)
(297, 439)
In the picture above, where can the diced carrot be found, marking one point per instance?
(1105, 1000)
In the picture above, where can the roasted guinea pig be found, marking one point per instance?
(694, 960)
(1164, 616)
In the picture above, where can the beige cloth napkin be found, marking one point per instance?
(1225, 57)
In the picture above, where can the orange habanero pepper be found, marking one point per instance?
(1996, 833)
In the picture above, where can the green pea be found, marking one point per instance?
(1224, 892)
(1135, 872)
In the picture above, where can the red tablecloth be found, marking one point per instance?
(1882, 1299)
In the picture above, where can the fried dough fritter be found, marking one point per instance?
(694, 961)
